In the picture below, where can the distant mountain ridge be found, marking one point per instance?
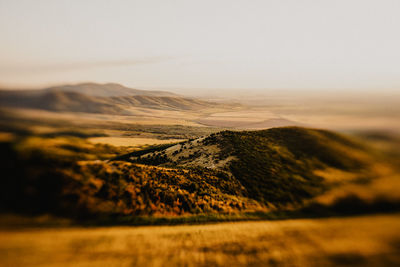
(97, 98)
(107, 89)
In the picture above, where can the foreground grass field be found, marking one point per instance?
(352, 241)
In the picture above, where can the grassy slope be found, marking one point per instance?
(278, 165)
(277, 168)
(58, 176)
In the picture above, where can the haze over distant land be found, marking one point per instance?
(199, 133)
(350, 44)
(239, 109)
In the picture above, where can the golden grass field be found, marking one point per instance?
(352, 241)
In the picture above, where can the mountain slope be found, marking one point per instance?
(108, 89)
(42, 176)
(278, 166)
(58, 101)
(94, 98)
(162, 102)
(224, 173)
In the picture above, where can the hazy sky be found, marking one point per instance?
(202, 44)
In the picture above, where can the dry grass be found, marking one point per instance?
(355, 241)
(131, 141)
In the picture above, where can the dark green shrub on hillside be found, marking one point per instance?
(277, 165)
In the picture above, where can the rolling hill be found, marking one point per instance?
(96, 98)
(224, 173)
(106, 90)
(278, 166)
(58, 101)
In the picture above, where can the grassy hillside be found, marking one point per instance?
(223, 173)
(163, 102)
(66, 177)
(279, 166)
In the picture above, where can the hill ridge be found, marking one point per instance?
(94, 98)
(277, 166)
(278, 169)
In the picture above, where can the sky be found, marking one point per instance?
(191, 44)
